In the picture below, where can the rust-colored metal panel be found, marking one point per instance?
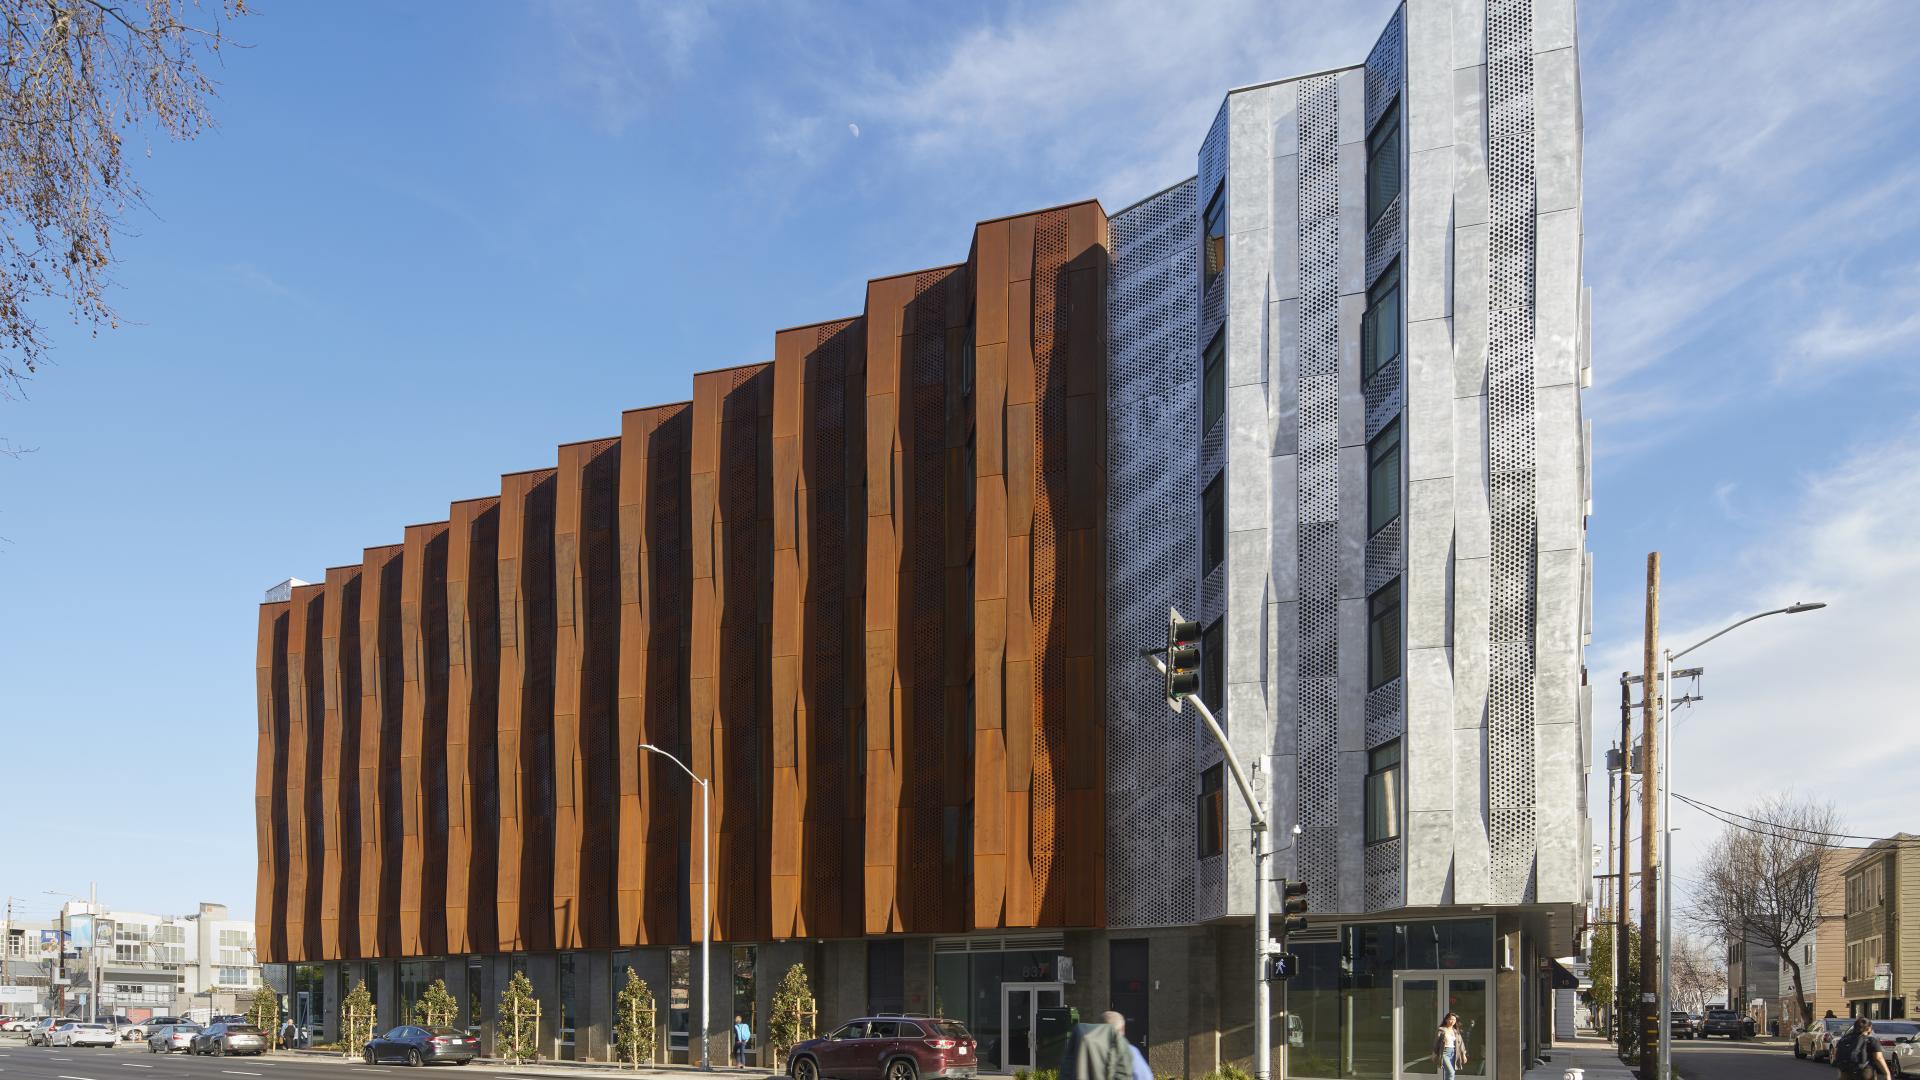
(340, 765)
(423, 748)
(304, 696)
(732, 417)
(586, 650)
(525, 748)
(473, 649)
(381, 576)
(269, 792)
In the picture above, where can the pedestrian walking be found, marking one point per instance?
(742, 1036)
(1449, 1049)
(1858, 1056)
(286, 1036)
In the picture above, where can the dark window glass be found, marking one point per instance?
(1212, 815)
(1213, 526)
(1380, 326)
(1213, 369)
(1383, 477)
(1214, 246)
(886, 977)
(1383, 792)
(1383, 163)
(1383, 635)
(1213, 665)
(1454, 943)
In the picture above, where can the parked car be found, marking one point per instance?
(18, 1024)
(417, 1045)
(43, 1027)
(140, 1029)
(167, 1038)
(889, 1047)
(227, 1018)
(1729, 1023)
(80, 1033)
(1816, 1040)
(221, 1039)
(1679, 1024)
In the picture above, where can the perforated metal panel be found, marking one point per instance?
(1510, 435)
(1318, 780)
(1386, 65)
(1049, 513)
(1153, 553)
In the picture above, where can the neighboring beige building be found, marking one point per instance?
(1822, 953)
(1883, 927)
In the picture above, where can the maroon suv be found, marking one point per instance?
(892, 1047)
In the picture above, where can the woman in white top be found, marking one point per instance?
(1450, 1048)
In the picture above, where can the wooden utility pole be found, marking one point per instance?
(1622, 996)
(1650, 691)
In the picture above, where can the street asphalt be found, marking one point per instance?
(1712, 1059)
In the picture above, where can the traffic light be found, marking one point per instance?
(1183, 657)
(1293, 906)
(1281, 966)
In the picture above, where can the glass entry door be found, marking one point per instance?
(1421, 999)
(1020, 1005)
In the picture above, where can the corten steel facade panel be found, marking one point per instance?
(818, 514)
(586, 619)
(524, 900)
(423, 754)
(339, 772)
(303, 695)
(654, 618)
(473, 649)
(732, 621)
(269, 801)
(820, 582)
(381, 570)
(1039, 585)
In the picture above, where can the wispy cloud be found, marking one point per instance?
(1782, 695)
(615, 59)
(257, 279)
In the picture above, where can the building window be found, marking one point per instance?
(1213, 526)
(1214, 247)
(1383, 792)
(1383, 163)
(1211, 814)
(1383, 635)
(1213, 665)
(1383, 477)
(1380, 326)
(1213, 371)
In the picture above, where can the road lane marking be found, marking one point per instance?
(76, 1078)
(135, 1065)
(237, 1072)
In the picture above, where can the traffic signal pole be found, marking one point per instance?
(1183, 655)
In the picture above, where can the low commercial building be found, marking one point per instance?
(888, 595)
(146, 964)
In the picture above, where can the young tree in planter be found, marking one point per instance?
(517, 1029)
(793, 1012)
(264, 1013)
(356, 1019)
(436, 1007)
(633, 1022)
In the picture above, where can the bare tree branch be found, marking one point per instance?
(1762, 886)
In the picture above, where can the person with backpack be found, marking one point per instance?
(1858, 1055)
(1449, 1049)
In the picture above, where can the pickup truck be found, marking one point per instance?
(1729, 1023)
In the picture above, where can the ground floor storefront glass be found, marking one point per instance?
(999, 997)
(1366, 1006)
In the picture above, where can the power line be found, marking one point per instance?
(1776, 832)
(1700, 804)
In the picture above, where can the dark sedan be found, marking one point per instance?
(422, 1046)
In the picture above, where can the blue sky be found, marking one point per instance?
(422, 250)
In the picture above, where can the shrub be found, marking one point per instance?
(633, 1022)
(792, 1018)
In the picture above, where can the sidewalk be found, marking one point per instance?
(601, 1069)
(1594, 1057)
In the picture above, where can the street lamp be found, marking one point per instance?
(1666, 825)
(706, 908)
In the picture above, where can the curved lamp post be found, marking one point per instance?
(706, 908)
(1666, 825)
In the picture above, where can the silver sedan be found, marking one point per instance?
(168, 1038)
